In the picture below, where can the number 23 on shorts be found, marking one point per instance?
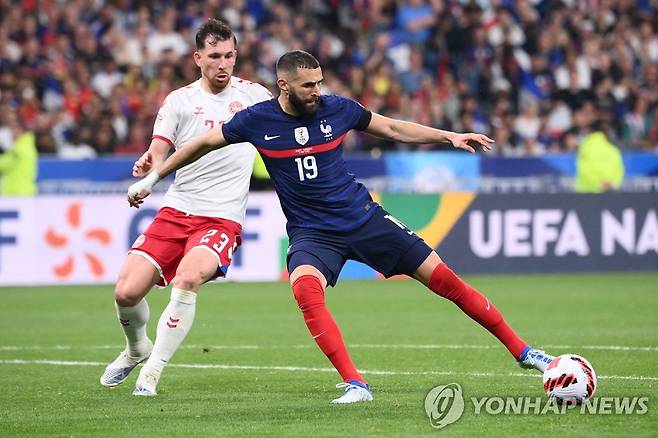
(220, 242)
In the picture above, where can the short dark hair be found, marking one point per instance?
(218, 30)
(291, 61)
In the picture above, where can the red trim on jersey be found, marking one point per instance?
(307, 150)
(165, 139)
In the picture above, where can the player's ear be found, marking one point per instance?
(197, 58)
(282, 84)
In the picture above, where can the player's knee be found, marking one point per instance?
(125, 296)
(308, 299)
(308, 292)
(188, 280)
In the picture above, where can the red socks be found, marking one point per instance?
(309, 294)
(446, 283)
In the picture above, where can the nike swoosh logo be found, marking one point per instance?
(271, 137)
(488, 305)
(317, 336)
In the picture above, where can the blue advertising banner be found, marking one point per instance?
(555, 233)
(507, 167)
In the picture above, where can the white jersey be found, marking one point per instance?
(216, 185)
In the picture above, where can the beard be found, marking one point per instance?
(302, 107)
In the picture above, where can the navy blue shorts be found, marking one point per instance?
(383, 243)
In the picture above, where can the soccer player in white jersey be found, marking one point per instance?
(194, 236)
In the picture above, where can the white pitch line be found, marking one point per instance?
(365, 346)
(119, 347)
(310, 369)
(606, 347)
(495, 346)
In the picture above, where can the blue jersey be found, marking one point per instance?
(304, 158)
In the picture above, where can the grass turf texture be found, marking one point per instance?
(259, 325)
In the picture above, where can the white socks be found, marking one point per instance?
(175, 322)
(133, 321)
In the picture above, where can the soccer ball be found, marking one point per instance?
(569, 378)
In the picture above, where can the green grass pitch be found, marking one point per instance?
(250, 368)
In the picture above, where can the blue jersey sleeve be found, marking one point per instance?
(235, 129)
(359, 117)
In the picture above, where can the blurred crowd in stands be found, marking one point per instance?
(88, 76)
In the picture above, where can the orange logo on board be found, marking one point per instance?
(61, 240)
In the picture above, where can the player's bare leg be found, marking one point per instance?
(199, 265)
(440, 279)
(308, 286)
(136, 278)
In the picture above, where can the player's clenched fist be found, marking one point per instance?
(141, 189)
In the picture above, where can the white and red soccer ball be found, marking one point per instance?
(570, 378)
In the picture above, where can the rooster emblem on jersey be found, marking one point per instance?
(326, 129)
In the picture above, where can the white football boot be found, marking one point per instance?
(533, 358)
(354, 392)
(117, 371)
(146, 384)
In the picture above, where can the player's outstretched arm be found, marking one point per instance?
(408, 132)
(192, 151)
(186, 154)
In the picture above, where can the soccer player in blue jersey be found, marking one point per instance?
(332, 217)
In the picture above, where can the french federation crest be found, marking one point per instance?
(326, 129)
(301, 135)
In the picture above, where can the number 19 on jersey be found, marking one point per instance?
(307, 167)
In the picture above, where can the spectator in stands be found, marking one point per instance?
(75, 146)
(104, 137)
(105, 80)
(637, 122)
(411, 79)
(166, 37)
(603, 57)
(526, 127)
(137, 141)
(413, 21)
